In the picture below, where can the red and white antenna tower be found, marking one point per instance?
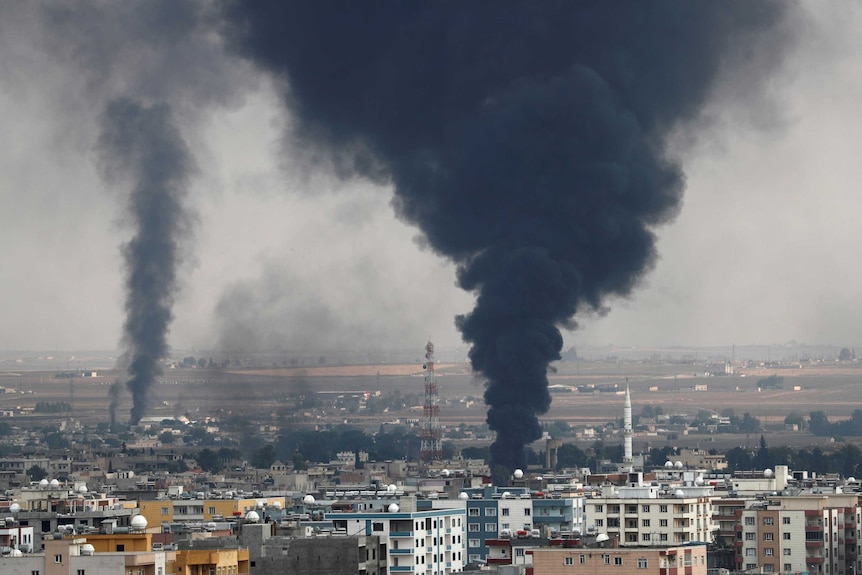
(430, 449)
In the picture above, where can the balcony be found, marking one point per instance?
(401, 568)
(400, 534)
(401, 551)
(813, 543)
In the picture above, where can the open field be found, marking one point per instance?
(833, 388)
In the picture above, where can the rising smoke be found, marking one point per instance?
(527, 140)
(141, 145)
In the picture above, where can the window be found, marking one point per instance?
(58, 558)
(749, 520)
(490, 527)
(378, 526)
(750, 566)
(751, 552)
(490, 512)
(473, 527)
(788, 566)
(474, 512)
(164, 511)
(519, 552)
(751, 536)
(662, 536)
(582, 559)
(599, 508)
(570, 560)
(662, 522)
(642, 563)
(645, 522)
(121, 548)
(600, 522)
(785, 520)
(505, 512)
(527, 512)
(786, 551)
(81, 572)
(767, 536)
(662, 508)
(767, 521)
(34, 572)
(785, 536)
(618, 560)
(504, 526)
(645, 536)
(606, 559)
(645, 508)
(769, 568)
(769, 552)
(472, 543)
(212, 510)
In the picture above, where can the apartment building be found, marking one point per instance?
(648, 515)
(674, 560)
(818, 534)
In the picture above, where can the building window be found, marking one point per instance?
(785, 520)
(599, 508)
(570, 560)
(645, 536)
(527, 512)
(473, 543)
(662, 508)
(164, 511)
(490, 527)
(212, 510)
(749, 520)
(473, 527)
(786, 551)
(785, 536)
(121, 548)
(582, 559)
(642, 563)
(750, 566)
(769, 568)
(34, 572)
(377, 526)
(662, 522)
(504, 526)
(750, 536)
(519, 552)
(767, 521)
(58, 558)
(81, 572)
(767, 536)
(606, 559)
(618, 560)
(788, 566)
(490, 512)
(474, 512)
(751, 552)
(504, 512)
(645, 522)
(645, 508)
(662, 536)
(600, 522)
(768, 552)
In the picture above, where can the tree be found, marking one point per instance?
(449, 450)
(570, 455)
(846, 355)
(795, 419)
(500, 476)
(299, 462)
(36, 473)
(208, 460)
(264, 457)
(166, 437)
(202, 362)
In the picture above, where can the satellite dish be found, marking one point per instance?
(668, 464)
(679, 493)
(14, 508)
(463, 496)
(445, 473)
(602, 537)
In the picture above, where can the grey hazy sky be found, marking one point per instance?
(764, 250)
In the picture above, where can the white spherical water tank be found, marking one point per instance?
(679, 493)
(519, 474)
(87, 549)
(82, 489)
(767, 473)
(276, 504)
(463, 496)
(391, 488)
(393, 508)
(308, 499)
(668, 464)
(444, 473)
(677, 465)
(54, 484)
(43, 484)
(14, 508)
(252, 517)
(139, 523)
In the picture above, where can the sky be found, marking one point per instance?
(285, 255)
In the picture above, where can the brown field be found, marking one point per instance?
(835, 389)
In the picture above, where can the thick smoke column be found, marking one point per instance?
(525, 139)
(141, 144)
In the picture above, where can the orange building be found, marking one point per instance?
(688, 560)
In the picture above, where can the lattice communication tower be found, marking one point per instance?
(430, 449)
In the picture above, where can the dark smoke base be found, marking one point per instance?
(525, 139)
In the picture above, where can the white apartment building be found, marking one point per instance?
(647, 515)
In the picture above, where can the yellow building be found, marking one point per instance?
(213, 562)
(201, 510)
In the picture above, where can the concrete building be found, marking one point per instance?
(431, 541)
(676, 560)
(640, 514)
(818, 534)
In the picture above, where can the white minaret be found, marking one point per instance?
(627, 428)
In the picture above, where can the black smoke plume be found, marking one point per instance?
(140, 144)
(525, 139)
